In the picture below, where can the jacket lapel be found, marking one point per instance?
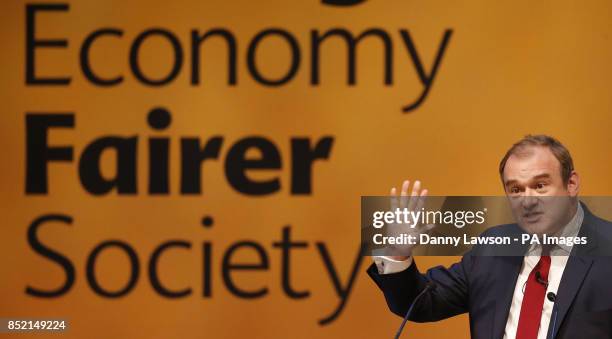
(576, 269)
(508, 272)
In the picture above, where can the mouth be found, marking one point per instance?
(532, 217)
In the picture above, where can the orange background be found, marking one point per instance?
(511, 68)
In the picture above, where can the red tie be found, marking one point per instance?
(533, 300)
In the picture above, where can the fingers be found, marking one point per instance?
(404, 194)
(393, 199)
(421, 200)
(414, 201)
(416, 189)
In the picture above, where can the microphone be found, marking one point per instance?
(429, 286)
(539, 278)
(551, 296)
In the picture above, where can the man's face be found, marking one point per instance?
(541, 202)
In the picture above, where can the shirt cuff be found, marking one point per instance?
(386, 265)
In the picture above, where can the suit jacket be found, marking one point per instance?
(484, 285)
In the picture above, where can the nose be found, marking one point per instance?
(529, 199)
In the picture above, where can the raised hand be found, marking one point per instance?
(413, 203)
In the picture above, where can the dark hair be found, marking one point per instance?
(557, 148)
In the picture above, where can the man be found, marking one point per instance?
(545, 293)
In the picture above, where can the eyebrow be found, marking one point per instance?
(539, 176)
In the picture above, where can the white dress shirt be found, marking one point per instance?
(558, 259)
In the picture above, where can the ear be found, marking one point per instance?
(573, 184)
